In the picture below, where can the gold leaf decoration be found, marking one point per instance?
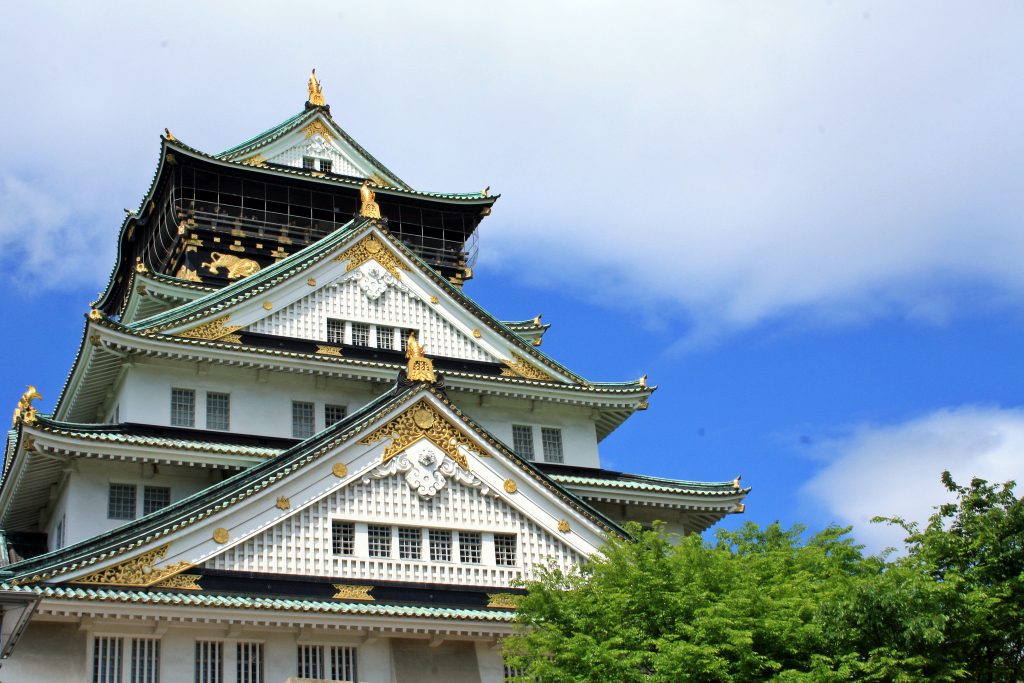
(349, 592)
(339, 469)
(140, 570)
(520, 367)
(421, 421)
(503, 600)
(215, 329)
(318, 128)
(510, 486)
(328, 350)
(186, 273)
(255, 160)
(221, 535)
(283, 503)
(371, 249)
(187, 582)
(563, 526)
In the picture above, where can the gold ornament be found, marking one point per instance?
(186, 582)
(215, 329)
(25, 412)
(221, 535)
(137, 571)
(563, 526)
(419, 368)
(283, 503)
(318, 128)
(406, 429)
(371, 249)
(95, 314)
(348, 592)
(187, 274)
(510, 486)
(339, 469)
(369, 207)
(316, 93)
(520, 367)
(255, 160)
(267, 305)
(328, 350)
(503, 600)
(235, 266)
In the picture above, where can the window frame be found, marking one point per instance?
(296, 405)
(175, 421)
(134, 488)
(216, 395)
(529, 452)
(549, 456)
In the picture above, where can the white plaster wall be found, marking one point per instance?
(47, 652)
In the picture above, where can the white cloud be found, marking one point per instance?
(894, 470)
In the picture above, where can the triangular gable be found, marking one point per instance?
(411, 446)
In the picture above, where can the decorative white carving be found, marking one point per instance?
(427, 470)
(373, 280)
(317, 146)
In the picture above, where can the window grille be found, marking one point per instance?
(183, 407)
(505, 550)
(522, 441)
(360, 334)
(551, 440)
(106, 660)
(470, 547)
(218, 410)
(209, 661)
(308, 163)
(343, 664)
(379, 540)
(145, 664)
(121, 501)
(404, 341)
(343, 537)
(303, 419)
(410, 543)
(155, 498)
(440, 545)
(325, 165)
(311, 661)
(385, 337)
(335, 331)
(249, 657)
(333, 414)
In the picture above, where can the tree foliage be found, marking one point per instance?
(762, 604)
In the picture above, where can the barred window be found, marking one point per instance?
(343, 664)
(155, 498)
(404, 339)
(311, 661)
(333, 414)
(303, 419)
(335, 331)
(360, 334)
(218, 410)
(522, 441)
(106, 659)
(209, 661)
(551, 441)
(505, 550)
(343, 537)
(410, 543)
(121, 501)
(385, 337)
(183, 407)
(307, 163)
(470, 547)
(379, 540)
(440, 545)
(145, 663)
(325, 165)
(249, 657)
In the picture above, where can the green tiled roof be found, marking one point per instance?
(638, 482)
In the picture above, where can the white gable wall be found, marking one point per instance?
(318, 148)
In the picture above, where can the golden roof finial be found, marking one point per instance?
(316, 94)
(25, 411)
(420, 368)
(369, 208)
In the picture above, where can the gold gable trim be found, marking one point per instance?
(215, 329)
(140, 570)
(185, 582)
(421, 421)
(520, 367)
(371, 249)
(348, 592)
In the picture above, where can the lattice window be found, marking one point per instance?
(311, 661)
(218, 410)
(440, 545)
(360, 334)
(155, 498)
(551, 441)
(183, 407)
(470, 547)
(343, 664)
(325, 165)
(505, 550)
(308, 164)
(335, 331)
(334, 414)
(410, 543)
(121, 501)
(378, 539)
(343, 537)
(209, 661)
(385, 337)
(145, 662)
(522, 441)
(106, 659)
(404, 338)
(303, 419)
(249, 657)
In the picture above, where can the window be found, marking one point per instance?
(410, 543)
(505, 550)
(440, 545)
(333, 414)
(209, 661)
(325, 165)
(145, 663)
(336, 331)
(385, 337)
(379, 540)
(303, 425)
(343, 663)
(58, 534)
(106, 660)
(121, 501)
(551, 441)
(218, 410)
(360, 334)
(343, 537)
(522, 441)
(404, 340)
(307, 163)
(470, 547)
(311, 661)
(250, 662)
(155, 498)
(183, 407)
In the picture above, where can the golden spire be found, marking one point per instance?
(25, 411)
(420, 368)
(316, 94)
(369, 208)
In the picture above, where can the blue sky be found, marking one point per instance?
(802, 220)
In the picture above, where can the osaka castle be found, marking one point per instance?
(292, 448)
